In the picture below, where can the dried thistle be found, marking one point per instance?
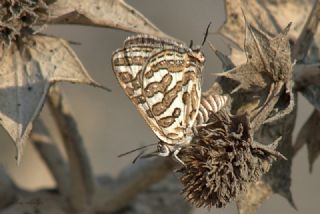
(221, 161)
(19, 18)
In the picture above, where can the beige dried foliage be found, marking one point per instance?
(274, 54)
(29, 64)
(279, 176)
(284, 11)
(309, 136)
(234, 26)
(270, 69)
(305, 18)
(307, 76)
(270, 16)
(103, 13)
(27, 71)
(225, 157)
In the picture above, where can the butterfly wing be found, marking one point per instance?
(171, 87)
(167, 69)
(128, 63)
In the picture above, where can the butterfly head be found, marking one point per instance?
(196, 51)
(198, 55)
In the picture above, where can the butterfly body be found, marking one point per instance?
(163, 80)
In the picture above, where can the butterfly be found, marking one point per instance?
(163, 79)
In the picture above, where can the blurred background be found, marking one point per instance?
(110, 124)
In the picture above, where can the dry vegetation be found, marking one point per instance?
(243, 155)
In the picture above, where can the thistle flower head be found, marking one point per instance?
(19, 17)
(221, 161)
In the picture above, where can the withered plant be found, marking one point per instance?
(243, 153)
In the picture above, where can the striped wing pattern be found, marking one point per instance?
(162, 78)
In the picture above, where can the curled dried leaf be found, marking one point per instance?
(103, 13)
(26, 73)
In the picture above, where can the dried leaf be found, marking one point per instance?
(306, 75)
(270, 16)
(282, 12)
(270, 70)
(234, 25)
(305, 39)
(26, 72)
(265, 55)
(227, 64)
(237, 56)
(279, 176)
(310, 135)
(312, 93)
(104, 13)
(307, 50)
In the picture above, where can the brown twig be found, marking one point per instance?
(42, 201)
(51, 156)
(81, 176)
(131, 183)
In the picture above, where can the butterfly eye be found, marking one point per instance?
(163, 150)
(160, 148)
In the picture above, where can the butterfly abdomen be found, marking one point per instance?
(209, 104)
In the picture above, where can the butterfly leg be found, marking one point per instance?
(195, 130)
(175, 155)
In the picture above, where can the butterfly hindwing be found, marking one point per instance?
(171, 87)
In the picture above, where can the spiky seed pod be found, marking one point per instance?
(221, 161)
(19, 17)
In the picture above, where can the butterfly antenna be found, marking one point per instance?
(138, 157)
(191, 44)
(137, 149)
(206, 35)
(144, 156)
